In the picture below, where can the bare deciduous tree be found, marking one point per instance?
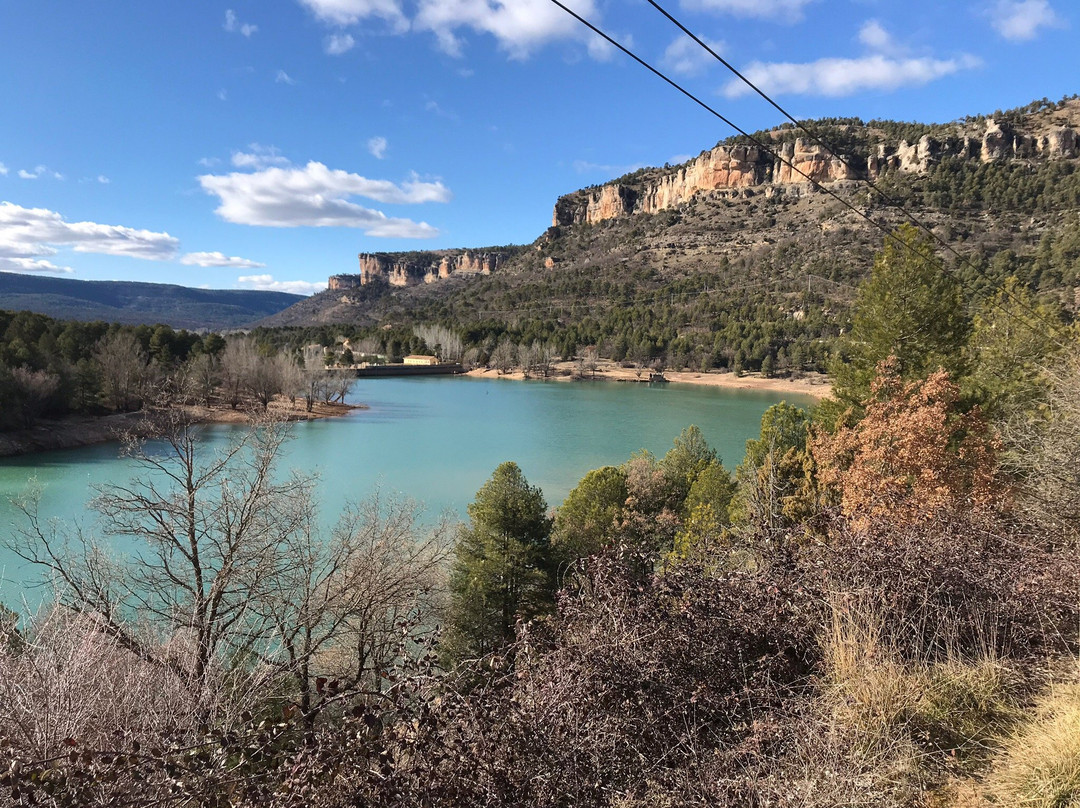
(238, 357)
(33, 389)
(504, 356)
(338, 607)
(445, 342)
(315, 377)
(336, 385)
(589, 361)
(123, 365)
(527, 358)
(205, 375)
(210, 528)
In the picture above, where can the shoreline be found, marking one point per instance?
(816, 385)
(87, 430)
(76, 431)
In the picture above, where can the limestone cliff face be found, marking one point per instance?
(338, 283)
(740, 168)
(411, 269)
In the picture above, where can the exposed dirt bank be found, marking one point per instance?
(85, 430)
(816, 385)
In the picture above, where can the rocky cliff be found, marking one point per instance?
(740, 170)
(410, 269)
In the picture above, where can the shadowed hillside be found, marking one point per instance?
(137, 303)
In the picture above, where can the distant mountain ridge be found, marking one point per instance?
(135, 303)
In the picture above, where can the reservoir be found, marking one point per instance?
(435, 440)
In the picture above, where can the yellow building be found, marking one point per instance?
(420, 359)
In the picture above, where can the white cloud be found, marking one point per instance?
(284, 78)
(233, 24)
(875, 37)
(519, 27)
(350, 12)
(687, 57)
(837, 77)
(209, 162)
(316, 196)
(259, 157)
(783, 10)
(29, 233)
(434, 108)
(40, 171)
(3, 170)
(103, 179)
(222, 95)
(266, 283)
(337, 44)
(1021, 19)
(218, 259)
(377, 146)
(8, 264)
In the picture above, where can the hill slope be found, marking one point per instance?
(732, 259)
(136, 303)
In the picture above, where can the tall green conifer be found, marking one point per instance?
(501, 570)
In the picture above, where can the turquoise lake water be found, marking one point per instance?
(436, 440)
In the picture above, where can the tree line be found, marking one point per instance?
(49, 369)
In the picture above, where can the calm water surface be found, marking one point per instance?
(437, 440)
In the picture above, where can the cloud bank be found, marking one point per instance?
(519, 27)
(266, 283)
(27, 235)
(317, 196)
(837, 77)
(886, 68)
(1020, 20)
(218, 259)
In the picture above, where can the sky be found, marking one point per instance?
(262, 144)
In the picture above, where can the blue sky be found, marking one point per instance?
(264, 143)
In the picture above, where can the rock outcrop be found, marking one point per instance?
(410, 269)
(738, 168)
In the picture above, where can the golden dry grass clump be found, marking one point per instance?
(1039, 766)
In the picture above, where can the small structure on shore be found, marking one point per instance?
(421, 359)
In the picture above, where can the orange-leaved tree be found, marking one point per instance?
(912, 456)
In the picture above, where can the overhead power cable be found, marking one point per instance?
(861, 175)
(888, 233)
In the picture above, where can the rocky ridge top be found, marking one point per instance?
(410, 269)
(736, 169)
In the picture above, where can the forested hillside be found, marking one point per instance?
(750, 277)
(138, 303)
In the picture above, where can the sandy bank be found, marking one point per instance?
(816, 385)
(86, 430)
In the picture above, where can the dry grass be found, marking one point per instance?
(951, 709)
(1040, 763)
(890, 731)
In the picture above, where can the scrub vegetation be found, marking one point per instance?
(876, 606)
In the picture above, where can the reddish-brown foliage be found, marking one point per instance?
(913, 456)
